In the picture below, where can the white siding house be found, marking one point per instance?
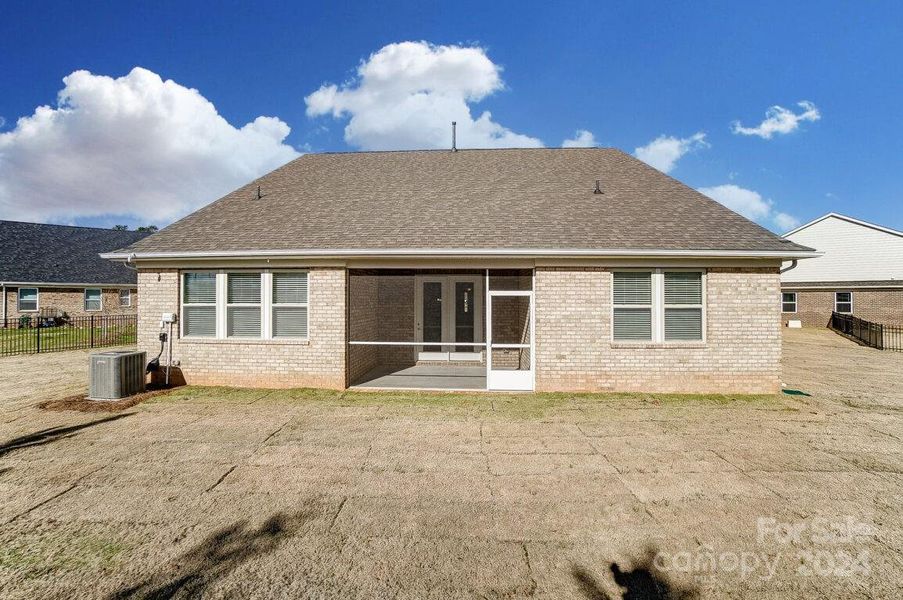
(860, 272)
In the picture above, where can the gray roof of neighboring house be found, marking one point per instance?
(522, 199)
(39, 253)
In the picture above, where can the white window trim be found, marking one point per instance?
(850, 303)
(37, 300)
(658, 307)
(271, 306)
(129, 296)
(795, 305)
(266, 305)
(85, 299)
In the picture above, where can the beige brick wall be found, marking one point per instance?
(814, 307)
(741, 354)
(71, 301)
(317, 363)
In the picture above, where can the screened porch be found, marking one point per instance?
(446, 329)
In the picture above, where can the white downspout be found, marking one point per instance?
(3, 287)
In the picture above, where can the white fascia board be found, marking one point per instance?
(462, 253)
(849, 220)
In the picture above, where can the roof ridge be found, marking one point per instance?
(424, 150)
(71, 226)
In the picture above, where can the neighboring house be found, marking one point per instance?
(861, 273)
(50, 270)
(546, 269)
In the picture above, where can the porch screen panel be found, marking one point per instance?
(199, 304)
(683, 306)
(632, 300)
(290, 305)
(243, 305)
(465, 324)
(432, 314)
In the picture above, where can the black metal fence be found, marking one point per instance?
(876, 335)
(33, 334)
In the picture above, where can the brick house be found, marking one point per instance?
(51, 270)
(860, 272)
(539, 269)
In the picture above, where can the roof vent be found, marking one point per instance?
(598, 189)
(259, 195)
(454, 141)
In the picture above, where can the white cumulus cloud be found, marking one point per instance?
(664, 151)
(406, 95)
(582, 139)
(779, 120)
(132, 146)
(751, 205)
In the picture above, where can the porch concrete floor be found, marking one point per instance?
(427, 377)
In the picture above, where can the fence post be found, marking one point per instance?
(37, 335)
(92, 330)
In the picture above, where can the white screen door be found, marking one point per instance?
(509, 336)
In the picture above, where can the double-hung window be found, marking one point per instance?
(93, 299)
(632, 317)
(199, 304)
(289, 305)
(683, 306)
(243, 305)
(658, 306)
(788, 302)
(843, 302)
(125, 297)
(28, 299)
(258, 305)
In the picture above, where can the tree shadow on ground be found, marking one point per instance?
(645, 581)
(193, 572)
(52, 434)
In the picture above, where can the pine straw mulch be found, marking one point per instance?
(81, 403)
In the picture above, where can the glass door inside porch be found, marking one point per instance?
(449, 313)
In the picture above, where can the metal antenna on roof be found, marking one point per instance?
(454, 146)
(598, 189)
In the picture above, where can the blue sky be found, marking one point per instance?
(125, 147)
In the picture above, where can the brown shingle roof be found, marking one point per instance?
(470, 199)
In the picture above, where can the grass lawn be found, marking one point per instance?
(64, 337)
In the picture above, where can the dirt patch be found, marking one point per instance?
(81, 402)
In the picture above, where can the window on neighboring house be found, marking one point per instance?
(843, 302)
(93, 299)
(199, 305)
(683, 306)
(28, 299)
(788, 302)
(632, 306)
(125, 297)
(243, 305)
(290, 305)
